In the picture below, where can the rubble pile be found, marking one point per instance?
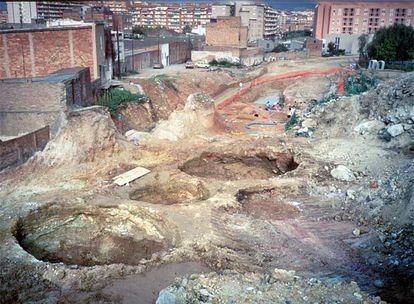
(197, 116)
(393, 104)
(89, 133)
(279, 286)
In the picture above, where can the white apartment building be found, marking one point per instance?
(21, 12)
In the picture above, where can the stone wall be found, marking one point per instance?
(17, 150)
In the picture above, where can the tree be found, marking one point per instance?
(187, 29)
(394, 43)
(280, 48)
(331, 48)
(362, 45)
(140, 30)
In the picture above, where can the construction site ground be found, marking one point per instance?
(236, 208)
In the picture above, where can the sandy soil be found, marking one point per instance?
(224, 198)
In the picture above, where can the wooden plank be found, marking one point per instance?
(130, 176)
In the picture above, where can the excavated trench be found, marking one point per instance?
(169, 192)
(263, 204)
(91, 235)
(235, 166)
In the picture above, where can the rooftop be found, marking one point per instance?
(62, 75)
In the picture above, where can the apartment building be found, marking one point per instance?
(172, 16)
(262, 20)
(21, 12)
(342, 22)
(271, 23)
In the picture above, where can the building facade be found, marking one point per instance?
(227, 31)
(343, 22)
(362, 17)
(21, 12)
(171, 16)
(261, 20)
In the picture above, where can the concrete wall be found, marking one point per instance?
(17, 150)
(39, 52)
(347, 42)
(210, 55)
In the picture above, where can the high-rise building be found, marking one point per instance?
(172, 16)
(342, 22)
(21, 12)
(262, 20)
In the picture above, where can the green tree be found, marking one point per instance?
(187, 29)
(362, 45)
(140, 30)
(394, 43)
(331, 48)
(280, 48)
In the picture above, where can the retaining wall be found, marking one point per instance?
(17, 150)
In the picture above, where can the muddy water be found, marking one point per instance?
(144, 288)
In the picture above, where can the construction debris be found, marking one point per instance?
(129, 176)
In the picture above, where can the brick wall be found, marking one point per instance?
(314, 47)
(39, 52)
(227, 31)
(16, 151)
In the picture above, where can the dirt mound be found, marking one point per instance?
(264, 204)
(170, 93)
(89, 133)
(79, 235)
(230, 166)
(196, 117)
(279, 286)
(306, 89)
(137, 116)
(168, 189)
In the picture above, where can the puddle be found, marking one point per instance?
(144, 288)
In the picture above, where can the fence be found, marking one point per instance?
(268, 78)
(17, 150)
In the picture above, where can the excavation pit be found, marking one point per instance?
(91, 235)
(264, 204)
(168, 190)
(235, 166)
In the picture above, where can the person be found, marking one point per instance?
(241, 86)
(269, 106)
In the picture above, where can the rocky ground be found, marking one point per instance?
(318, 213)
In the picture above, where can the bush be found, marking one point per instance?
(280, 48)
(292, 122)
(224, 63)
(114, 98)
(355, 85)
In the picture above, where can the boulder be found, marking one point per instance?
(343, 173)
(309, 123)
(395, 130)
(166, 297)
(370, 126)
